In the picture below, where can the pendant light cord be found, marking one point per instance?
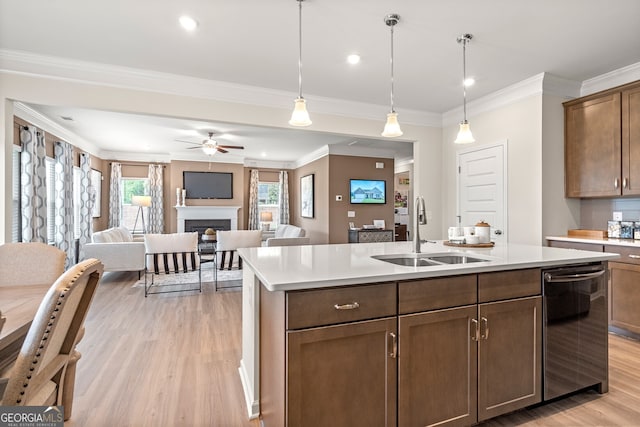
(464, 78)
(300, 49)
(391, 61)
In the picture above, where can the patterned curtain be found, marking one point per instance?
(34, 187)
(156, 210)
(87, 199)
(254, 220)
(115, 195)
(64, 238)
(283, 200)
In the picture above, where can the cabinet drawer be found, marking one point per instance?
(339, 305)
(433, 294)
(628, 255)
(509, 284)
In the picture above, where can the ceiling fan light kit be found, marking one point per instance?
(464, 134)
(300, 115)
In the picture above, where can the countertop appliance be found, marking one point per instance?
(575, 329)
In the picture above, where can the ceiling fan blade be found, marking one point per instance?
(187, 142)
(222, 150)
(232, 146)
(194, 148)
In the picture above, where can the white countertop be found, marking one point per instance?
(615, 242)
(284, 268)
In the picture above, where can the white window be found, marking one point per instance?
(268, 206)
(133, 187)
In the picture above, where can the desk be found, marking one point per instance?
(18, 305)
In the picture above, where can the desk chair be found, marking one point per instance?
(41, 375)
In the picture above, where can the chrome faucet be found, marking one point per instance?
(421, 219)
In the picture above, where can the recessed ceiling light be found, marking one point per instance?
(469, 81)
(263, 154)
(353, 59)
(188, 23)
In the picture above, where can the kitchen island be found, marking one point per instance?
(375, 304)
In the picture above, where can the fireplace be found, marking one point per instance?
(200, 225)
(206, 216)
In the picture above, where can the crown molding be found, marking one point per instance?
(46, 124)
(535, 85)
(311, 157)
(20, 62)
(611, 79)
(267, 164)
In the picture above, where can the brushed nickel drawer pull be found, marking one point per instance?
(634, 256)
(474, 330)
(351, 306)
(485, 323)
(625, 182)
(394, 345)
(616, 183)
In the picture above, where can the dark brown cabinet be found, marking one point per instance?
(510, 350)
(488, 355)
(448, 351)
(438, 367)
(602, 143)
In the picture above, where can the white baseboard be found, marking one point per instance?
(253, 406)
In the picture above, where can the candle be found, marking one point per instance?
(184, 197)
(177, 196)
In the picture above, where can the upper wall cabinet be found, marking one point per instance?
(602, 143)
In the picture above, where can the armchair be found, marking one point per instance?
(288, 235)
(229, 241)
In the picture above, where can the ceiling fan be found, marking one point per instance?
(210, 146)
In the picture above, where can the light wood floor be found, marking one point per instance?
(172, 360)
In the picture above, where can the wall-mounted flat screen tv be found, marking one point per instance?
(208, 185)
(367, 191)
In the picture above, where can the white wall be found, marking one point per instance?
(64, 92)
(520, 123)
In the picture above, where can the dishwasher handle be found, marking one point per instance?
(549, 278)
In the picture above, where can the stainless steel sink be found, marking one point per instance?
(426, 260)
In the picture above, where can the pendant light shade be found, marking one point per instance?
(464, 134)
(300, 115)
(209, 148)
(392, 127)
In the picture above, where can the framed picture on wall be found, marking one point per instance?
(96, 183)
(306, 196)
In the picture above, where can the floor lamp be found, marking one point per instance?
(141, 202)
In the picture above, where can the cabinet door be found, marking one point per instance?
(625, 296)
(631, 141)
(510, 355)
(342, 375)
(593, 147)
(437, 368)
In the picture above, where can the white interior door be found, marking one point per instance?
(482, 190)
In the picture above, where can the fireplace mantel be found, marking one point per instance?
(207, 212)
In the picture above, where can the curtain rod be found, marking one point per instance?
(136, 164)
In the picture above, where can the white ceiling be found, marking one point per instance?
(254, 42)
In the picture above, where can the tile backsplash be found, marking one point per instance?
(595, 213)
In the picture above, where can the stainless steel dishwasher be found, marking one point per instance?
(575, 329)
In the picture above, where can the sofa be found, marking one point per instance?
(288, 235)
(116, 249)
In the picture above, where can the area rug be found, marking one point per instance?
(227, 279)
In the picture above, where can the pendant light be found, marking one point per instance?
(392, 127)
(464, 134)
(300, 115)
